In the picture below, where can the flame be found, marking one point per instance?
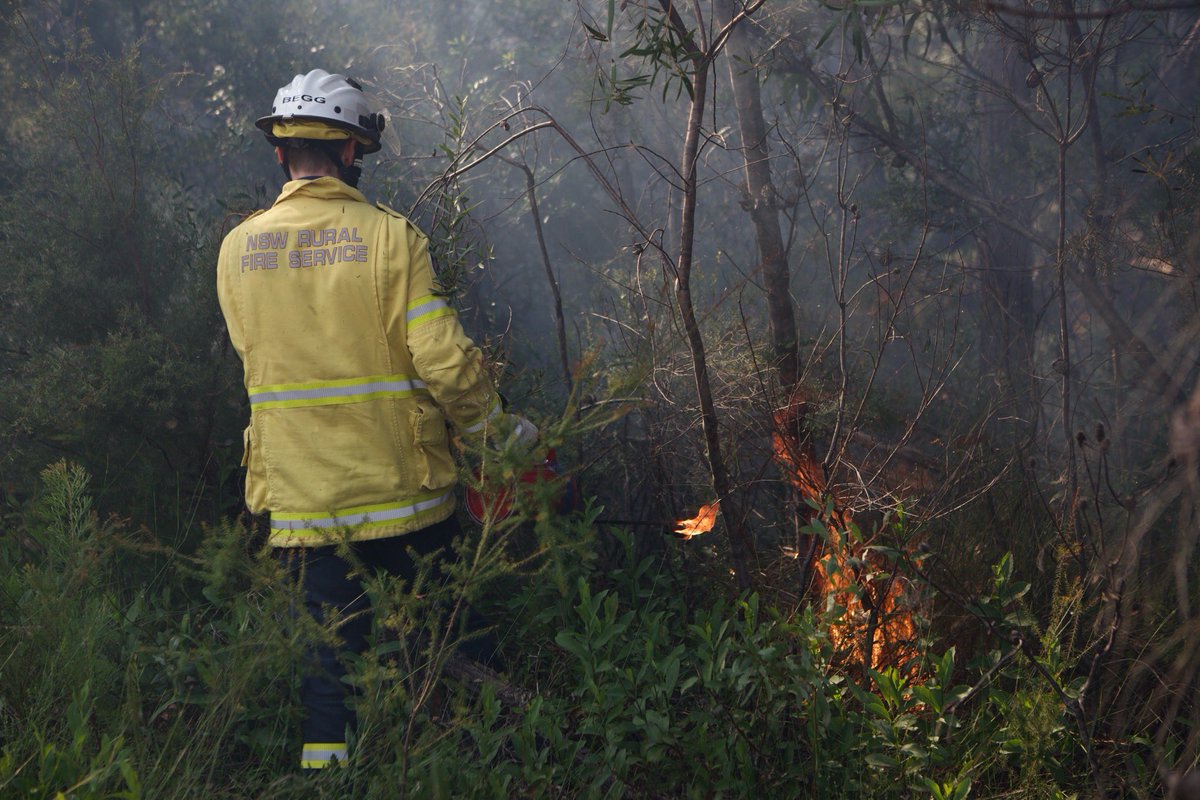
(703, 522)
(877, 628)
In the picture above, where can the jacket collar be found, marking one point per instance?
(324, 188)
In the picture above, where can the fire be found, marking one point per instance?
(877, 628)
(703, 522)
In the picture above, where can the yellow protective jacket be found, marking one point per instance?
(353, 363)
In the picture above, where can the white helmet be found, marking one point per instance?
(331, 101)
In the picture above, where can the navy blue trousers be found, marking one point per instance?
(327, 584)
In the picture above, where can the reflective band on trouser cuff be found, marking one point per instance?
(323, 393)
(492, 413)
(427, 308)
(318, 755)
(362, 515)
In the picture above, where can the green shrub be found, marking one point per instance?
(76, 768)
(134, 671)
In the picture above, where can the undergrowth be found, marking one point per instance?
(134, 672)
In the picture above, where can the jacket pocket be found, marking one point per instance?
(256, 478)
(434, 465)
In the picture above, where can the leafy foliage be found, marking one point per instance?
(641, 688)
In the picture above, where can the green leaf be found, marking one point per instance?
(596, 33)
(929, 697)
(906, 37)
(946, 668)
(572, 644)
(389, 647)
(890, 553)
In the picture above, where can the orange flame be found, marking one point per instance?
(877, 628)
(703, 522)
(877, 625)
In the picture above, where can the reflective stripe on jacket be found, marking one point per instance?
(353, 365)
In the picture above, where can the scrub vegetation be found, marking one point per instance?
(901, 294)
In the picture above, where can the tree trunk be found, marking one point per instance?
(1005, 257)
(760, 196)
(741, 546)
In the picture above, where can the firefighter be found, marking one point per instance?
(354, 363)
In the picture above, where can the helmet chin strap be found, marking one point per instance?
(352, 173)
(283, 164)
